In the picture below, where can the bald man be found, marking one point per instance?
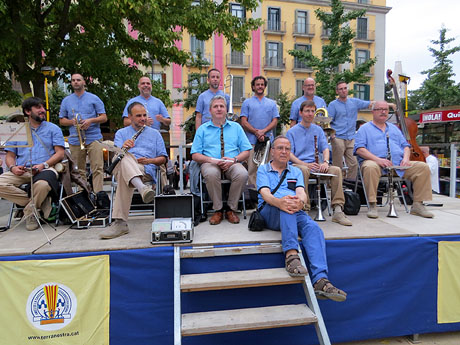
(309, 89)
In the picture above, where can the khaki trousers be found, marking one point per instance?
(9, 190)
(212, 175)
(418, 174)
(252, 170)
(124, 173)
(344, 148)
(336, 184)
(96, 162)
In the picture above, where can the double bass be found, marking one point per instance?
(408, 126)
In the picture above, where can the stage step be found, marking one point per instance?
(210, 251)
(246, 319)
(237, 279)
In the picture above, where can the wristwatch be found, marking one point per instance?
(11, 167)
(236, 160)
(46, 165)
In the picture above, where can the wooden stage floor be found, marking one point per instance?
(19, 241)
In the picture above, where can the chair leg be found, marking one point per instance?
(58, 211)
(360, 175)
(402, 196)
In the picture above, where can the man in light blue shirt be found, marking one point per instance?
(259, 117)
(303, 155)
(309, 89)
(139, 165)
(283, 210)
(156, 110)
(220, 146)
(37, 161)
(86, 110)
(380, 145)
(344, 113)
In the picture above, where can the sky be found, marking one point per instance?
(410, 27)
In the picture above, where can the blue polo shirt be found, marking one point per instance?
(207, 140)
(88, 105)
(372, 138)
(303, 141)
(204, 99)
(259, 114)
(295, 107)
(49, 133)
(269, 178)
(148, 144)
(154, 107)
(344, 116)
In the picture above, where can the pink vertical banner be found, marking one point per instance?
(256, 53)
(219, 56)
(134, 34)
(177, 69)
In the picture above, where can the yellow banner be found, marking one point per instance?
(64, 301)
(448, 282)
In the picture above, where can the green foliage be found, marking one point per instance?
(91, 37)
(438, 89)
(56, 95)
(284, 103)
(336, 53)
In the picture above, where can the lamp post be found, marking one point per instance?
(405, 79)
(47, 71)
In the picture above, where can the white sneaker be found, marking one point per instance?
(418, 209)
(339, 217)
(372, 213)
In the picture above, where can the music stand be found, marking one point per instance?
(20, 132)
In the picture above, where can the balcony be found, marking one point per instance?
(365, 36)
(237, 60)
(275, 27)
(365, 2)
(325, 34)
(238, 100)
(303, 30)
(301, 67)
(196, 57)
(274, 63)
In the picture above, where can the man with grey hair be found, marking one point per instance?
(309, 90)
(220, 146)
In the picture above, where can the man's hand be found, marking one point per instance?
(405, 162)
(159, 118)
(128, 144)
(290, 204)
(324, 167)
(225, 163)
(313, 166)
(84, 124)
(143, 160)
(382, 162)
(260, 134)
(149, 121)
(37, 168)
(18, 170)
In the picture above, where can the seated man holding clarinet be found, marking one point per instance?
(381, 145)
(143, 150)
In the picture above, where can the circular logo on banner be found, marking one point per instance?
(51, 306)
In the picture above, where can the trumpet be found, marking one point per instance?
(230, 115)
(261, 152)
(80, 132)
(118, 158)
(323, 120)
(392, 211)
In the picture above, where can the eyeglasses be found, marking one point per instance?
(282, 148)
(381, 109)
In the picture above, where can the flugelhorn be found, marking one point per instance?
(230, 115)
(261, 152)
(323, 120)
(80, 132)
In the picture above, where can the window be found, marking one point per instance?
(194, 83)
(273, 88)
(274, 19)
(238, 89)
(362, 91)
(297, 62)
(196, 46)
(274, 54)
(236, 57)
(362, 55)
(299, 88)
(361, 33)
(326, 32)
(301, 22)
(238, 11)
(363, 1)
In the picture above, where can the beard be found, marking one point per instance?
(38, 118)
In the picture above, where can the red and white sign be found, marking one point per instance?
(440, 116)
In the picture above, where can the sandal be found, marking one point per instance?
(325, 290)
(294, 266)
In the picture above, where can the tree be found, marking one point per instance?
(105, 40)
(336, 53)
(438, 89)
(284, 104)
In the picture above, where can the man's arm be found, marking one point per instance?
(100, 118)
(198, 119)
(289, 204)
(164, 120)
(367, 155)
(57, 157)
(201, 158)
(293, 123)
(156, 160)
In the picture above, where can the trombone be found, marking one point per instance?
(230, 115)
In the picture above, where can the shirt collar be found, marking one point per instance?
(271, 169)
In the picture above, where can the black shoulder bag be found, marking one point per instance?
(256, 221)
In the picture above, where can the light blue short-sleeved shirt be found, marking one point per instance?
(344, 116)
(295, 107)
(268, 177)
(51, 136)
(303, 141)
(148, 144)
(154, 107)
(88, 106)
(207, 140)
(204, 100)
(373, 139)
(259, 114)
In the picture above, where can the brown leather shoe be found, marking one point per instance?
(216, 218)
(232, 217)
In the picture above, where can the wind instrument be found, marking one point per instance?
(118, 158)
(319, 216)
(230, 115)
(392, 211)
(80, 132)
(323, 120)
(261, 152)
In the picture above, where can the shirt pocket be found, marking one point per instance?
(292, 183)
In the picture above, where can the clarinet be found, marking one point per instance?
(118, 158)
(392, 211)
(319, 216)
